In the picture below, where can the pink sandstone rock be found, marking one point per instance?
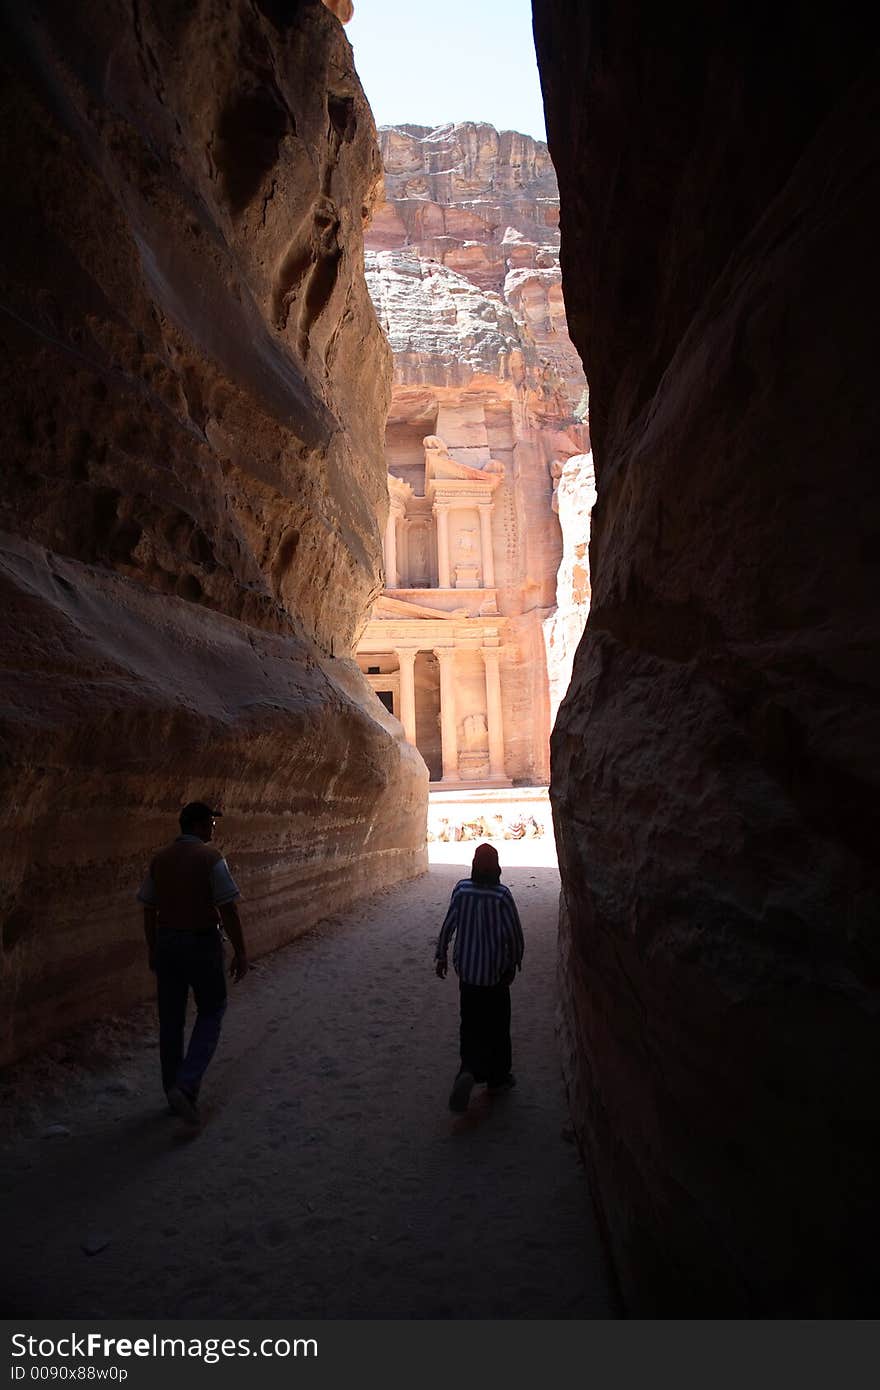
(462, 265)
(194, 389)
(573, 501)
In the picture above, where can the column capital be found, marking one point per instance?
(438, 506)
(488, 653)
(444, 653)
(405, 653)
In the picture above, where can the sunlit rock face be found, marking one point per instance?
(343, 9)
(715, 763)
(194, 388)
(463, 267)
(481, 201)
(573, 500)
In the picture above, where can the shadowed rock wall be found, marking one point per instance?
(715, 764)
(193, 392)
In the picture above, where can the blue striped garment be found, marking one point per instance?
(487, 931)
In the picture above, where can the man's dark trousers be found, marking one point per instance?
(485, 1032)
(189, 960)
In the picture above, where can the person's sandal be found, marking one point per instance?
(461, 1092)
(184, 1107)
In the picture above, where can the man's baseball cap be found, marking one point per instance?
(197, 810)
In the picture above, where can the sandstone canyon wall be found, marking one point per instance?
(715, 771)
(193, 398)
(574, 497)
(343, 9)
(463, 267)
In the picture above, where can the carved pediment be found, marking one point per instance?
(443, 466)
(387, 607)
(440, 466)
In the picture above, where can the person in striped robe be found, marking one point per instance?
(488, 951)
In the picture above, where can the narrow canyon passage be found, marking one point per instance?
(330, 1180)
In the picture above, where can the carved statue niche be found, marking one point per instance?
(466, 544)
(467, 570)
(418, 557)
(475, 733)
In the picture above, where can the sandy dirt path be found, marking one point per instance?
(330, 1179)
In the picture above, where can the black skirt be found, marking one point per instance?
(485, 1032)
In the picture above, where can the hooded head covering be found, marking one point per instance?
(485, 861)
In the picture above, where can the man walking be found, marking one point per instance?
(482, 917)
(187, 889)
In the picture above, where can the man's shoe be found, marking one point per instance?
(184, 1106)
(461, 1092)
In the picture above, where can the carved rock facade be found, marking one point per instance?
(488, 403)
(715, 763)
(193, 390)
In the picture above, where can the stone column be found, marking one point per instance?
(406, 657)
(441, 512)
(403, 574)
(391, 551)
(486, 546)
(448, 727)
(494, 717)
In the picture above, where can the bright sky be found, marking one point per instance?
(449, 60)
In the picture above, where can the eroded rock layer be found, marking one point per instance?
(463, 267)
(715, 763)
(193, 394)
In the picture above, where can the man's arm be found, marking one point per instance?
(514, 930)
(232, 926)
(151, 919)
(146, 896)
(447, 931)
(226, 897)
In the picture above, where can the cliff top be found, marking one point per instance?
(439, 132)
